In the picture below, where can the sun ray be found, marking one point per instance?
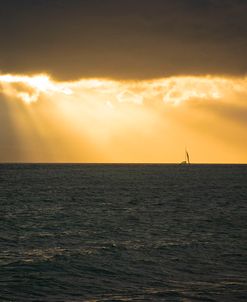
(109, 120)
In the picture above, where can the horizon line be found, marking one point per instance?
(114, 163)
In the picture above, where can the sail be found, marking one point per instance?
(187, 157)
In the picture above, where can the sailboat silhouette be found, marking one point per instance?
(187, 158)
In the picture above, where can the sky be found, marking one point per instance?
(123, 81)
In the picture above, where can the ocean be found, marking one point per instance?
(112, 232)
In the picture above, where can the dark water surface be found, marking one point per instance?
(123, 233)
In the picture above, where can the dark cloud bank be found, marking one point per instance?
(123, 38)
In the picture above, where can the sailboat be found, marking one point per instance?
(187, 158)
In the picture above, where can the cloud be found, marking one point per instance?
(171, 90)
(29, 88)
(129, 97)
(123, 39)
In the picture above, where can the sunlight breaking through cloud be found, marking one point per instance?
(174, 90)
(36, 85)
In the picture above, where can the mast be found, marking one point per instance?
(187, 156)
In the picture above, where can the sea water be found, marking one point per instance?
(123, 232)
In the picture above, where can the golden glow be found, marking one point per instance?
(101, 120)
(172, 90)
(38, 83)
